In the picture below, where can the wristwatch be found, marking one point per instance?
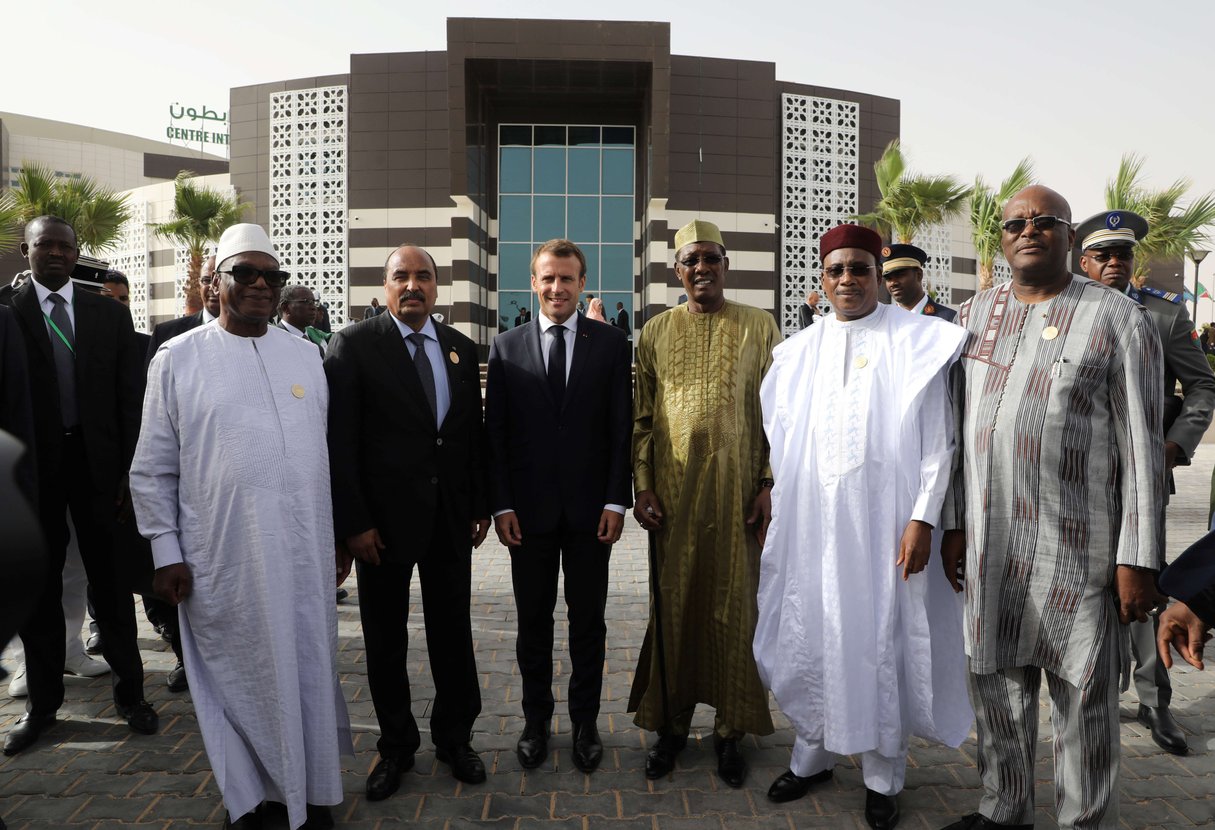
(767, 483)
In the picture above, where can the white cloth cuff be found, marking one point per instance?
(166, 550)
(616, 508)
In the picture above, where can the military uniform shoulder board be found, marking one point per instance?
(1164, 295)
(1133, 293)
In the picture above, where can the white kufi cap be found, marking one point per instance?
(242, 239)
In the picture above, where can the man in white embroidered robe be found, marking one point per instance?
(859, 646)
(231, 489)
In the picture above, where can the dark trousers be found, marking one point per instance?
(533, 566)
(43, 635)
(445, 574)
(163, 618)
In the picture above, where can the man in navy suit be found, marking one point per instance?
(558, 413)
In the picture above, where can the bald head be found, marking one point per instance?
(1051, 202)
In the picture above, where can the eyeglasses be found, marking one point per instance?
(1041, 223)
(247, 275)
(1120, 254)
(856, 269)
(711, 260)
(303, 302)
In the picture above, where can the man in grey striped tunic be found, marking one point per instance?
(1053, 515)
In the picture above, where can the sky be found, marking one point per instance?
(1073, 85)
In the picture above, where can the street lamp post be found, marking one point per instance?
(1197, 256)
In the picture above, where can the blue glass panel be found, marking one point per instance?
(584, 135)
(584, 218)
(515, 170)
(618, 171)
(516, 135)
(550, 136)
(584, 170)
(617, 274)
(618, 135)
(610, 298)
(591, 252)
(514, 266)
(550, 170)
(510, 307)
(550, 218)
(515, 220)
(617, 220)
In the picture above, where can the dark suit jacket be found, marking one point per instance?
(109, 386)
(943, 312)
(169, 329)
(392, 469)
(621, 321)
(16, 413)
(587, 440)
(805, 315)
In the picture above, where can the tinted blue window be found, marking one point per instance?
(591, 252)
(550, 170)
(618, 135)
(617, 273)
(514, 266)
(515, 222)
(584, 135)
(584, 218)
(550, 136)
(515, 172)
(549, 218)
(510, 304)
(617, 220)
(618, 171)
(515, 135)
(610, 298)
(584, 170)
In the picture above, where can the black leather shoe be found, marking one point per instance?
(881, 811)
(25, 732)
(1165, 731)
(731, 765)
(93, 645)
(141, 717)
(790, 787)
(977, 821)
(319, 818)
(660, 760)
(385, 779)
(465, 763)
(532, 748)
(177, 678)
(342, 593)
(588, 749)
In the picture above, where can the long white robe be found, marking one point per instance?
(231, 476)
(858, 419)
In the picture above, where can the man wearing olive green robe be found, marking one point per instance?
(700, 464)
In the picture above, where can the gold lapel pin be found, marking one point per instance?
(297, 390)
(1050, 333)
(861, 362)
(453, 357)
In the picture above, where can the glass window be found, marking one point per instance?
(549, 218)
(515, 221)
(584, 170)
(514, 309)
(550, 136)
(618, 171)
(514, 266)
(617, 219)
(591, 252)
(550, 170)
(617, 273)
(515, 135)
(618, 135)
(610, 298)
(515, 173)
(584, 218)
(584, 135)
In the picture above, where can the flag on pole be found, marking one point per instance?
(1203, 294)
(1187, 296)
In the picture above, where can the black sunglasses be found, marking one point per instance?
(856, 269)
(1041, 223)
(247, 275)
(711, 260)
(1120, 254)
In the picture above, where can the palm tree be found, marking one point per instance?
(1172, 229)
(200, 216)
(10, 222)
(986, 208)
(910, 202)
(95, 212)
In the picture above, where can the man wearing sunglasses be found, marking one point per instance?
(1108, 241)
(903, 274)
(856, 412)
(243, 542)
(209, 285)
(1053, 517)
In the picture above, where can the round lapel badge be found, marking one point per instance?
(861, 362)
(453, 357)
(297, 391)
(1050, 333)
(930, 309)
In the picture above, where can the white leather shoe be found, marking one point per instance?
(17, 686)
(82, 665)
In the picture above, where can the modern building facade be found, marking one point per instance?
(524, 130)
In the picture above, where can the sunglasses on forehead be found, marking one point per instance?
(1041, 223)
(247, 275)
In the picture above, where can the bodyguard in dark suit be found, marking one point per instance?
(16, 414)
(86, 383)
(903, 276)
(558, 412)
(406, 456)
(171, 328)
(1108, 240)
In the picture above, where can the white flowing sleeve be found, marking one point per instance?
(936, 448)
(771, 401)
(157, 464)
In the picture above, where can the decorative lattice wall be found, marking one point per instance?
(131, 258)
(937, 241)
(1000, 271)
(308, 191)
(819, 175)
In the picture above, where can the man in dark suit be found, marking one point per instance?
(621, 320)
(169, 329)
(117, 286)
(87, 386)
(406, 456)
(562, 380)
(903, 274)
(16, 415)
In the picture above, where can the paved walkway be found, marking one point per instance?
(91, 772)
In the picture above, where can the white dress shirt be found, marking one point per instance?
(67, 292)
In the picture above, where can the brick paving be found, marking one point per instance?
(90, 771)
